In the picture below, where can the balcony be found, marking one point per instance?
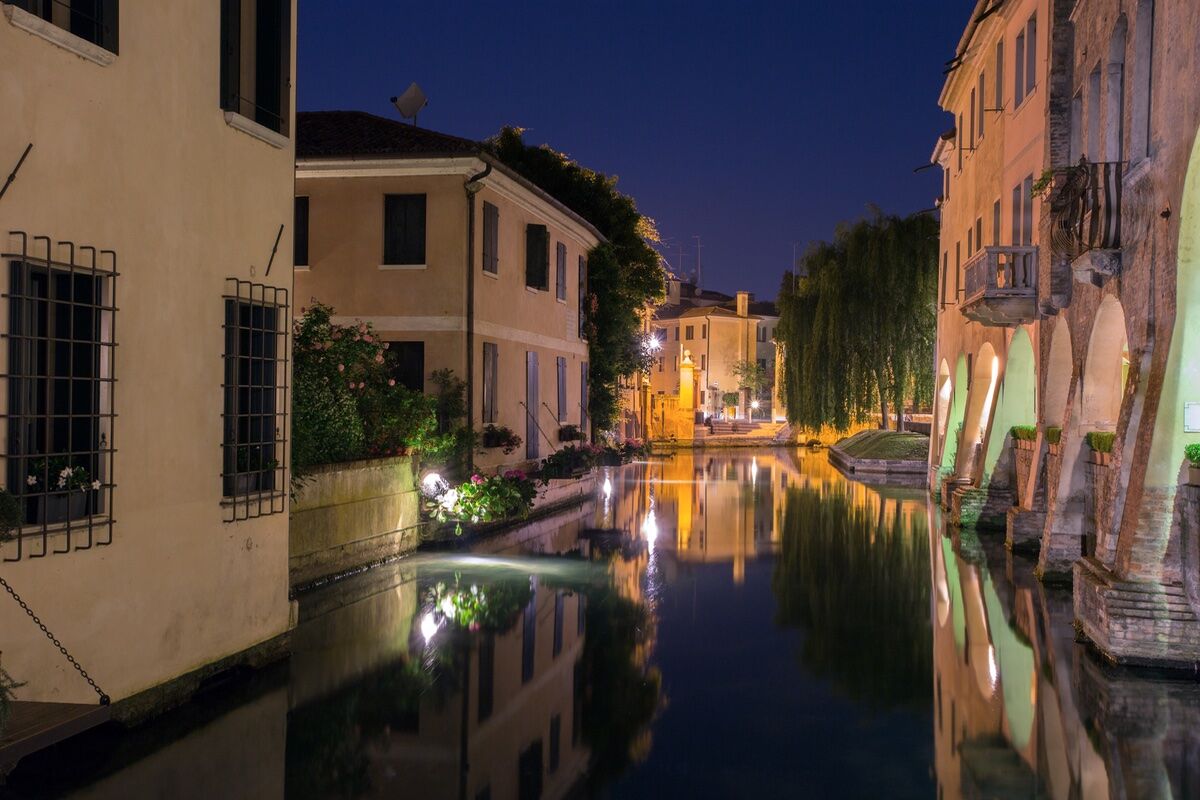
(1001, 286)
(1085, 211)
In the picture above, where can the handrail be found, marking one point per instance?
(533, 417)
(1086, 208)
(1002, 268)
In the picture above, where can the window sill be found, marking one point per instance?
(561, 300)
(301, 267)
(535, 290)
(1140, 168)
(30, 23)
(493, 275)
(252, 128)
(251, 497)
(32, 530)
(401, 266)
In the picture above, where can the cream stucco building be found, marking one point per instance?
(457, 261)
(147, 253)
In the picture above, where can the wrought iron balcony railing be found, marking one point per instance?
(1001, 285)
(1086, 208)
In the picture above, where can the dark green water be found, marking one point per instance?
(735, 625)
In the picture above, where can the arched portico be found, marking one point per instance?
(952, 429)
(985, 374)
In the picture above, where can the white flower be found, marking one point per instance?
(95, 484)
(474, 518)
(449, 499)
(447, 608)
(31, 480)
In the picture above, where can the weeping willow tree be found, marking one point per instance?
(855, 578)
(857, 320)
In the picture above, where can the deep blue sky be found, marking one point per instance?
(752, 124)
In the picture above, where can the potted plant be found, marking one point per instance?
(58, 491)
(730, 400)
(7, 686)
(570, 433)
(1024, 436)
(1192, 451)
(501, 436)
(1101, 443)
(1053, 438)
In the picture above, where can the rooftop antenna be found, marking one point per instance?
(411, 102)
(698, 246)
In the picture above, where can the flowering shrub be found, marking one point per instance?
(482, 498)
(346, 405)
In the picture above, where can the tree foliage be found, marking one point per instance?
(624, 273)
(858, 322)
(751, 375)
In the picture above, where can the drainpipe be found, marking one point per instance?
(472, 186)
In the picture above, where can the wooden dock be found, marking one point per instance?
(36, 726)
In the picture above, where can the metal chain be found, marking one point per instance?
(104, 699)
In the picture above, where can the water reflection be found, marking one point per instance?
(711, 625)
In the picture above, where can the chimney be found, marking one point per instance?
(743, 304)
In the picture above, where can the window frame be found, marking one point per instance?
(560, 271)
(105, 27)
(300, 231)
(491, 238)
(234, 83)
(537, 257)
(398, 253)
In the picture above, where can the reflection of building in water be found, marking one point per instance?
(1021, 709)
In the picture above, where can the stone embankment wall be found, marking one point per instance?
(349, 515)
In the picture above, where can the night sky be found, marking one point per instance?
(752, 124)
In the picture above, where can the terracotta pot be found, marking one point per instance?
(1101, 459)
(1194, 475)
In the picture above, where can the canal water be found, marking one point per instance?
(735, 624)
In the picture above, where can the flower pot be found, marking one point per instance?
(1194, 474)
(1101, 459)
(55, 508)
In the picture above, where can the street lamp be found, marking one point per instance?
(753, 408)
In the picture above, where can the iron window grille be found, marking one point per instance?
(95, 21)
(60, 380)
(254, 448)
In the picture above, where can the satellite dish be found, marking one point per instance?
(411, 102)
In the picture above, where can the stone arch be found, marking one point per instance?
(954, 417)
(1016, 404)
(985, 374)
(945, 389)
(1106, 369)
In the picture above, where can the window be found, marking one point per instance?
(300, 233)
(703, 331)
(533, 403)
(560, 272)
(95, 21)
(762, 363)
(583, 397)
(1114, 123)
(688, 332)
(528, 638)
(996, 222)
(491, 377)
(946, 190)
(555, 736)
(677, 333)
(1016, 214)
(491, 238)
(957, 269)
(1019, 70)
(582, 297)
(404, 229)
(255, 413)
(256, 60)
(561, 363)
(529, 772)
(676, 367)
(537, 257)
(970, 242)
(959, 133)
(487, 675)
(999, 74)
(1027, 218)
(59, 454)
(1092, 148)
(558, 624)
(979, 233)
(661, 362)
(1143, 85)
(703, 362)
(971, 119)
(1030, 55)
(407, 364)
(945, 274)
(982, 103)
(1076, 127)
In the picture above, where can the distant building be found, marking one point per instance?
(457, 261)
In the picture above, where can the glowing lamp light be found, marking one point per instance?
(607, 488)
(650, 528)
(754, 404)
(433, 484)
(429, 626)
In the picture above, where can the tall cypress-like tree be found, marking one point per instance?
(858, 321)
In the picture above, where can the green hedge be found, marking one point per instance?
(1025, 433)
(1053, 435)
(1101, 441)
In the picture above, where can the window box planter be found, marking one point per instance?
(570, 433)
(1101, 459)
(55, 508)
(1024, 444)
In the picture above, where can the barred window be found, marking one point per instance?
(59, 454)
(254, 449)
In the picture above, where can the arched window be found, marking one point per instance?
(1114, 84)
(1143, 70)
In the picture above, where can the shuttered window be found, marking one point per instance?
(583, 396)
(582, 297)
(560, 272)
(407, 364)
(1031, 55)
(491, 238)
(537, 257)
(256, 60)
(491, 380)
(404, 229)
(1019, 70)
(562, 389)
(300, 233)
(999, 72)
(982, 102)
(93, 20)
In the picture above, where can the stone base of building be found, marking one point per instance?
(979, 508)
(1024, 530)
(1057, 554)
(1141, 624)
